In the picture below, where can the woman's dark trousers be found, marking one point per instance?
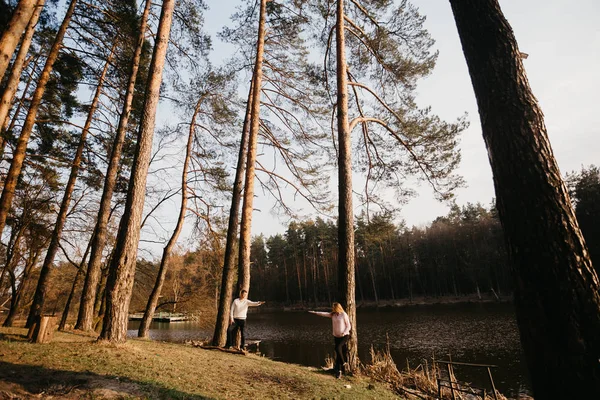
(340, 352)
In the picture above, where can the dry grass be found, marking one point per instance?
(412, 383)
(73, 366)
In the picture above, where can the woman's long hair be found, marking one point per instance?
(337, 308)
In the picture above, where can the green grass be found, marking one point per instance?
(74, 366)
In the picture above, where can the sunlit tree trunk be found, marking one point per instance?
(11, 36)
(78, 276)
(226, 293)
(14, 171)
(9, 123)
(557, 296)
(43, 281)
(247, 206)
(122, 267)
(15, 73)
(167, 251)
(85, 317)
(346, 283)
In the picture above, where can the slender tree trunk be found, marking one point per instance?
(287, 286)
(373, 283)
(11, 249)
(15, 73)
(122, 267)
(85, 317)
(14, 171)
(346, 212)
(167, 252)
(557, 296)
(101, 292)
(11, 36)
(40, 292)
(306, 294)
(298, 276)
(80, 274)
(18, 293)
(326, 276)
(225, 297)
(247, 207)
(314, 277)
(9, 123)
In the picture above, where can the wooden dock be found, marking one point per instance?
(161, 317)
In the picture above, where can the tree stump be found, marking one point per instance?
(42, 329)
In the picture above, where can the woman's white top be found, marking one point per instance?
(239, 308)
(340, 322)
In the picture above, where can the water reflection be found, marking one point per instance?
(478, 333)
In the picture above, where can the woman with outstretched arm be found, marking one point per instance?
(341, 334)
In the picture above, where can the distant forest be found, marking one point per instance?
(460, 254)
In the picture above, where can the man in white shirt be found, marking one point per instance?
(237, 317)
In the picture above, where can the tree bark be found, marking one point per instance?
(14, 171)
(85, 317)
(346, 281)
(557, 296)
(247, 207)
(42, 286)
(15, 73)
(122, 267)
(225, 297)
(11, 36)
(18, 292)
(167, 251)
(9, 123)
(76, 280)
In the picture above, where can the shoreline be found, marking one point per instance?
(397, 303)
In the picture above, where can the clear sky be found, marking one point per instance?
(563, 42)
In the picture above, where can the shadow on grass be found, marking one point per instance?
(27, 380)
(14, 337)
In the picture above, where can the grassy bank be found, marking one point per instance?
(73, 366)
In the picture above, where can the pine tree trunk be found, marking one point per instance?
(15, 73)
(18, 293)
(14, 171)
(167, 252)
(42, 286)
(85, 318)
(78, 276)
(346, 282)
(11, 249)
(122, 267)
(225, 297)
(298, 276)
(247, 207)
(287, 286)
(9, 123)
(557, 296)
(373, 282)
(11, 36)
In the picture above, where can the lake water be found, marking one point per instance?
(475, 333)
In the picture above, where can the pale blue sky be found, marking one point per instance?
(563, 42)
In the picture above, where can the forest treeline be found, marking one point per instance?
(459, 254)
(118, 129)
